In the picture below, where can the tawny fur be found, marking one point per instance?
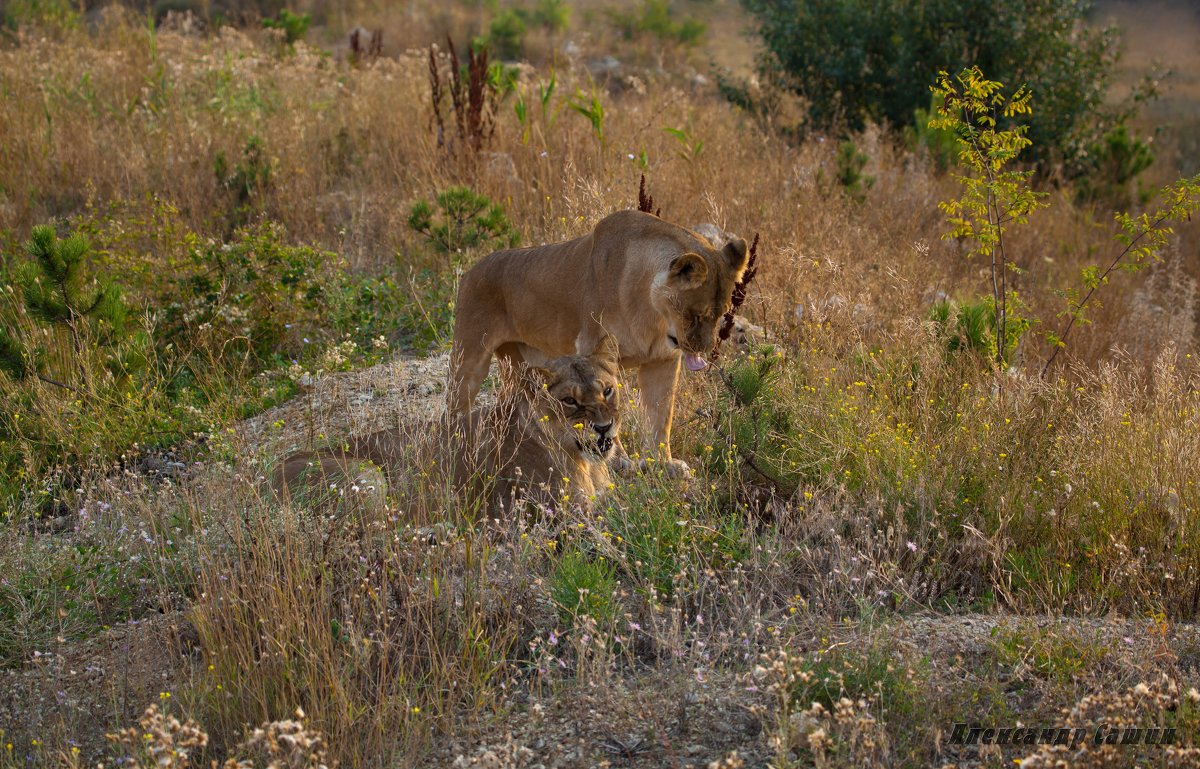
(660, 290)
(550, 436)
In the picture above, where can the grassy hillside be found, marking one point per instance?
(879, 512)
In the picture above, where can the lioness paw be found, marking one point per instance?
(677, 468)
(622, 465)
(673, 468)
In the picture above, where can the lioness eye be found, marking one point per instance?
(607, 392)
(569, 401)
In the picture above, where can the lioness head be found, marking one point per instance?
(578, 402)
(695, 294)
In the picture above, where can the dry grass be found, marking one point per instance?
(875, 474)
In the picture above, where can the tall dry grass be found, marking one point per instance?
(878, 472)
(130, 112)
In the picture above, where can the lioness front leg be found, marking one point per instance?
(620, 463)
(469, 366)
(657, 382)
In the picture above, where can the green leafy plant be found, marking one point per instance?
(755, 436)
(940, 143)
(1054, 653)
(552, 15)
(77, 376)
(88, 376)
(57, 291)
(293, 25)
(60, 14)
(545, 93)
(873, 673)
(549, 115)
(461, 219)
(691, 146)
(994, 197)
(592, 109)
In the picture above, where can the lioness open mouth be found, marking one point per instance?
(600, 447)
(693, 361)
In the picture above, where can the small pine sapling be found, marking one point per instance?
(57, 292)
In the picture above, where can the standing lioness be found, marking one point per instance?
(658, 289)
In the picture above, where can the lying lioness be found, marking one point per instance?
(658, 288)
(551, 435)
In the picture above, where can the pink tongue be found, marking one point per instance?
(694, 362)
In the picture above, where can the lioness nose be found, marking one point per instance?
(602, 429)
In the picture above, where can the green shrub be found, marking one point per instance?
(658, 534)
(940, 143)
(251, 292)
(860, 61)
(552, 15)
(88, 376)
(80, 380)
(850, 163)
(873, 673)
(427, 318)
(653, 18)
(506, 34)
(1059, 654)
(254, 300)
(757, 434)
(294, 25)
(58, 292)
(1114, 161)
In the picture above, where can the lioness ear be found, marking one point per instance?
(606, 349)
(735, 252)
(534, 378)
(688, 269)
